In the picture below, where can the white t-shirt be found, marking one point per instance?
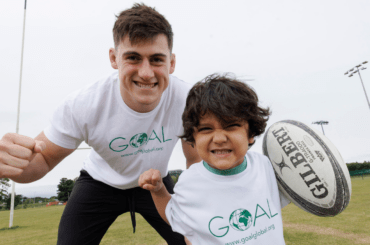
(125, 143)
(244, 208)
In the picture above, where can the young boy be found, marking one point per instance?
(231, 197)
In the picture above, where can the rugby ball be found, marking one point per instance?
(309, 169)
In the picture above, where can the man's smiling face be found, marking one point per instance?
(143, 70)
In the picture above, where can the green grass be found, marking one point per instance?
(121, 232)
(36, 226)
(349, 227)
(39, 226)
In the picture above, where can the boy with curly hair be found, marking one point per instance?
(231, 196)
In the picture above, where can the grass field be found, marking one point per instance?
(39, 226)
(350, 227)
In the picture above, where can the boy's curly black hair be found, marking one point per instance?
(228, 99)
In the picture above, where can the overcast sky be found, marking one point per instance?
(293, 53)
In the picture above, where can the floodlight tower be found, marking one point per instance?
(321, 123)
(357, 69)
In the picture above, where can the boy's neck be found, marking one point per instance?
(238, 169)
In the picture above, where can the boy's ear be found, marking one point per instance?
(251, 140)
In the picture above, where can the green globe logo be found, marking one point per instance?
(138, 140)
(240, 220)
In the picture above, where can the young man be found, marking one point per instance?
(131, 120)
(232, 196)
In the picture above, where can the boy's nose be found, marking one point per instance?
(219, 137)
(145, 71)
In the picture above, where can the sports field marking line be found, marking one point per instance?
(356, 238)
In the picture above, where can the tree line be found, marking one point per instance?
(65, 187)
(358, 166)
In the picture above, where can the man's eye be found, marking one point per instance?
(157, 60)
(133, 58)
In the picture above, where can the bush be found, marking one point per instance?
(174, 179)
(358, 166)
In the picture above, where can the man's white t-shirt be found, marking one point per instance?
(243, 207)
(125, 143)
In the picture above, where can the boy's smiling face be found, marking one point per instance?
(221, 146)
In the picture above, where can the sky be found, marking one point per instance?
(293, 53)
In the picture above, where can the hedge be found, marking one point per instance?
(358, 166)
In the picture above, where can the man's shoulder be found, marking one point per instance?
(176, 93)
(100, 85)
(179, 85)
(94, 89)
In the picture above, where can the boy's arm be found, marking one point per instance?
(151, 180)
(190, 153)
(161, 199)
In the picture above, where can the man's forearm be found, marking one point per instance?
(161, 199)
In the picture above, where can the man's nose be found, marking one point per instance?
(146, 70)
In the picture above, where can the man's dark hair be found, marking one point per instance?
(141, 23)
(228, 99)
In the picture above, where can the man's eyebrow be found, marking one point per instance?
(136, 53)
(130, 53)
(158, 54)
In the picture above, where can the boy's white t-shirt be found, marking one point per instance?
(125, 143)
(244, 208)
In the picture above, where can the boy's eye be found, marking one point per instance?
(233, 125)
(203, 129)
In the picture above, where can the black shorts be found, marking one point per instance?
(93, 206)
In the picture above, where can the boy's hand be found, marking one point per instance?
(151, 180)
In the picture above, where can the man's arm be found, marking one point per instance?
(25, 160)
(190, 153)
(151, 180)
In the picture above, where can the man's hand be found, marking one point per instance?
(151, 180)
(16, 153)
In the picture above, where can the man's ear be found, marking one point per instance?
(173, 63)
(112, 58)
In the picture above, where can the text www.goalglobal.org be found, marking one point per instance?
(252, 236)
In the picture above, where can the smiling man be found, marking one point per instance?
(131, 119)
(144, 70)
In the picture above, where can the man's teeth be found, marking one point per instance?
(145, 86)
(222, 152)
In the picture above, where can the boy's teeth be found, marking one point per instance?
(222, 152)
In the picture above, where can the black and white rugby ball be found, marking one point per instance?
(309, 169)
